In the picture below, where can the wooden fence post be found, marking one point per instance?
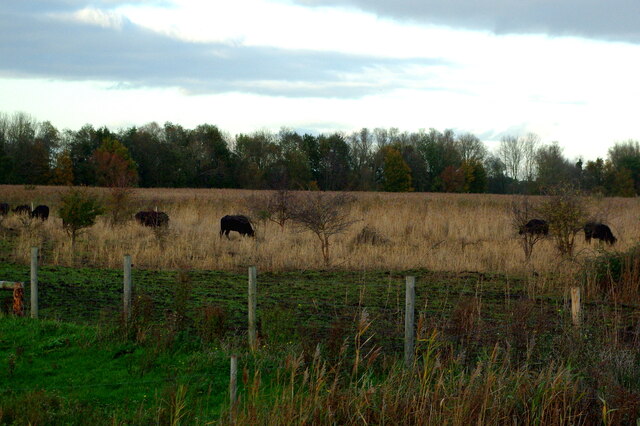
(409, 317)
(34, 283)
(233, 387)
(253, 302)
(127, 287)
(576, 307)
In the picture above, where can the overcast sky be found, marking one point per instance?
(567, 70)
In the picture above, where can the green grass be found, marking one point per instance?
(80, 363)
(76, 363)
(301, 303)
(78, 294)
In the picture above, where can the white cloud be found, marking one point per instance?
(579, 92)
(93, 16)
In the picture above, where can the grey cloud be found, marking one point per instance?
(38, 45)
(599, 19)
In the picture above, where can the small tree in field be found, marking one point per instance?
(522, 211)
(276, 207)
(325, 215)
(78, 210)
(566, 211)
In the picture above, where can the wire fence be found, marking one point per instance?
(308, 306)
(334, 311)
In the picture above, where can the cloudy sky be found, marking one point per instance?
(567, 70)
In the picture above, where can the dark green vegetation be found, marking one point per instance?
(35, 153)
(488, 347)
(56, 372)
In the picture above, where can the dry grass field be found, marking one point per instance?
(441, 232)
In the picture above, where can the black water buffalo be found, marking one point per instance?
(599, 231)
(237, 223)
(22, 209)
(535, 226)
(152, 218)
(40, 212)
(4, 209)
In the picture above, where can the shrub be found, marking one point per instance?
(78, 210)
(566, 211)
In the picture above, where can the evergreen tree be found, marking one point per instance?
(396, 172)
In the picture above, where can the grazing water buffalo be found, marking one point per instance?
(535, 226)
(599, 231)
(152, 218)
(22, 209)
(40, 212)
(4, 209)
(237, 223)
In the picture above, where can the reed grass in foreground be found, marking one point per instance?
(114, 374)
(442, 232)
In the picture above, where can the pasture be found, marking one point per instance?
(439, 232)
(495, 339)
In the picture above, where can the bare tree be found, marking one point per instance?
(325, 215)
(470, 147)
(276, 207)
(511, 153)
(522, 211)
(530, 144)
(518, 153)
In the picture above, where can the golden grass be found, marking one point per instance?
(452, 232)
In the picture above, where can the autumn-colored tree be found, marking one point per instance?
(453, 179)
(63, 171)
(116, 169)
(396, 172)
(114, 166)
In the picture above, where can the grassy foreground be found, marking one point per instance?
(491, 349)
(59, 373)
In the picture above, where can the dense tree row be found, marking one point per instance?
(33, 152)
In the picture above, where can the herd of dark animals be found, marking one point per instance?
(40, 212)
(237, 223)
(242, 224)
(598, 231)
(150, 218)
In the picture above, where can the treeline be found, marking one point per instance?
(170, 155)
